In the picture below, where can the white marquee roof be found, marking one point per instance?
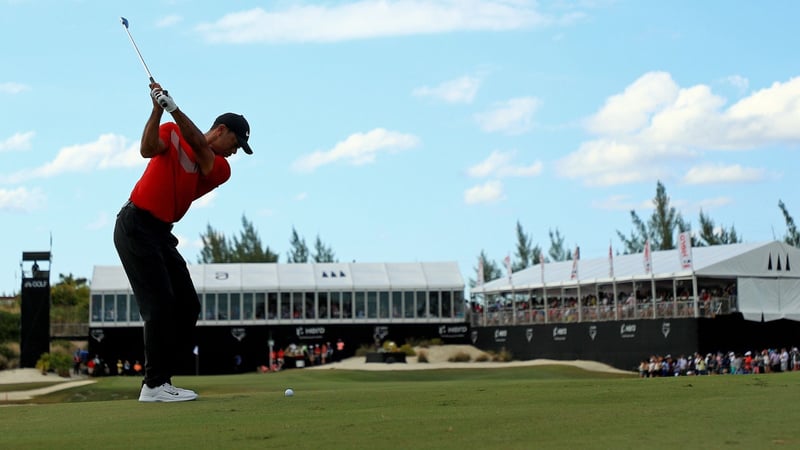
(303, 277)
(764, 259)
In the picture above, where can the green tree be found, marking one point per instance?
(558, 252)
(323, 253)
(527, 255)
(491, 270)
(215, 247)
(792, 236)
(247, 247)
(660, 228)
(70, 300)
(299, 251)
(710, 234)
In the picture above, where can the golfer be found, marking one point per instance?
(184, 165)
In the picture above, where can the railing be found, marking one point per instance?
(69, 330)
(643, 309)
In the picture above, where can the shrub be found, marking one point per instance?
(408, 350)
(502, 356)
(364, 349)
(9, 326)
(389, 346)
(460, 357)
(422, 357)
(483, 357)
(43, 364)
(61, 363)
(436, 341)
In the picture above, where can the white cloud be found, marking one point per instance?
(98, 223)
(168, 21)
(301, 196)
(19, 141)
(206, 200)
(654, 125)
(499, 164)
(513, 116)
(717, 173)
(737, 81)
(489, 192)
(616, 203)
(21, 199)
(358, 149)
(107, 152)
(13, 88)
(367, 19)
(459, 90)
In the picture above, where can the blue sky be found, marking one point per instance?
(403, 130)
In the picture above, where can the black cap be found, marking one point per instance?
(238, 124)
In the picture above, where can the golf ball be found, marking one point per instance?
(289, 392)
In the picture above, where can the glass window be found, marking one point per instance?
(122, 307)
(248, 306)
(397, 304)
(272, 305)
(108, 308)
(447, 304)
(222, 307)
(347, 305)
(360, 306)
(458, 303)
(134, 316)
(383, 304)
(336, 305)
(236, 306)
(408, 304)
(433, 303)
(372, 305)
(310, 306)
(261, 300)
(297, 305)
(210, 307)
(422, 304)
(286, 305)
(97, 308)
(324, 309)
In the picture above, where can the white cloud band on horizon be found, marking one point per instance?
(10, 87)
(107, 152)
(21, 199)
(654, 127)
(308, 22)
(358, 149)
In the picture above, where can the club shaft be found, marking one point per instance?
(138, 53)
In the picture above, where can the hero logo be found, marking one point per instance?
(559, 333)
(500, 335)
(453, 331)
(310, 332)
(221, 275)
(627, 330)
(34, 284)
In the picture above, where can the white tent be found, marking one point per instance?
(767, 274)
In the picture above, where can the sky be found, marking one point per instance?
(403, 130)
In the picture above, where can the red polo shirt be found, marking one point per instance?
(172, 180)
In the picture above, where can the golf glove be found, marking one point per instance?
(163, 99)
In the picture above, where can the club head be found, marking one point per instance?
(124, 21)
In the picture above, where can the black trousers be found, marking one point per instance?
(167, 299)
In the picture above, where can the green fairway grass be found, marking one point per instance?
(510, 408)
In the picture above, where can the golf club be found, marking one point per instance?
(135, 47)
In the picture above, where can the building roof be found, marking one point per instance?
(764, 259)
(297, 277)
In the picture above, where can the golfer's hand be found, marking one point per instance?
(162, 98)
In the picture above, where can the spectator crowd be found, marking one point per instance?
(721, 363)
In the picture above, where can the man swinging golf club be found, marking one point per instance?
(184, 164)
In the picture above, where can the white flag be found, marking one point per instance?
(507, 260)
(541, 263)
(610, 262)
(648, 259)
(480, 271)
(577, 256)
(685, 249)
